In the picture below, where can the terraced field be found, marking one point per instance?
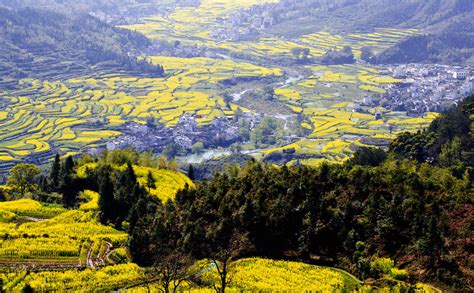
(168, 182)
(196, 26)
(84, 112)
(331, 99)
(326, 95)
(65, 115)
(37, 235)
(192, 25)
(249, 274)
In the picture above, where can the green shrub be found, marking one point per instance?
(398, 274)
(381, 266)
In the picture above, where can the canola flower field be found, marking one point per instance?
(168, 182)
(329, 99)
(65, 238)
(328, 87)
(34, 232)
(248, 274)
(84, 112)
(256, 274)
(64, 114)
(46, 116)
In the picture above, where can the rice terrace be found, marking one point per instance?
(236, 146)
(49, 115)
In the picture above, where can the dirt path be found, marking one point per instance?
(97, 261)
(89, 261)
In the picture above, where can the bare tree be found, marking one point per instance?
(171, 271)
(222, 260)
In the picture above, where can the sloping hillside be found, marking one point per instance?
(451, 42)
(44, 44)
(446, 25)
(351, 15)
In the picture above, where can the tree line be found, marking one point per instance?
(378, 204)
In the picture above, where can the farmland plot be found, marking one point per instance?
(65, 114)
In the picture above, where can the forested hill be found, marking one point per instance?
(445, 24)
(418, 213)
(353, 15)
(411, 13)
(448, 142)
(449, 43)
(71, 5)
(44, 44)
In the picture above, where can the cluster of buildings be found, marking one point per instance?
(242, 24)
(221, 132)
(425, 88)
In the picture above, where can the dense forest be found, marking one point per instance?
(412, 204)
(41, 43)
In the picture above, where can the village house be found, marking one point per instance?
(460, 74)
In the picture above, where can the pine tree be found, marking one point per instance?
(55, 173)
(191, 172)
(66, 184)
(138, 209)
(150, 181)
(106, 196)
(68, 190)
(44, 184)
(69, 165)
(124, 194)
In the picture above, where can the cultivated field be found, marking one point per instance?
(38, 235)
(168, 182)
(73, 114)
(84, 112)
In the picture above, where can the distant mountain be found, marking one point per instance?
(69, 5)
(403, 13)
(40, 43)
(451, 42)
(447, 24)
(350, 15)
(116, 11)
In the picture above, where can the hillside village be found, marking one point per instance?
(425, 88)
(222, 131)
